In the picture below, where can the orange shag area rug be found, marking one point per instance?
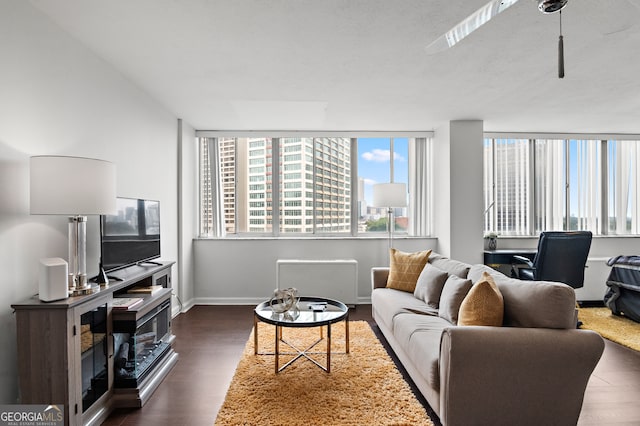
(363, 388)
(618, 329)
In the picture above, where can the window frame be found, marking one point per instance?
(277, 215)
(601, 164)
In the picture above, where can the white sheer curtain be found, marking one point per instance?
(420, 186)
(510, 187)
(488, 187)
(217, 225)
(624, 185)
(585, 185)
(549, 184)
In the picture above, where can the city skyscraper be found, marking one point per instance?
(507, 186)
(314, 184)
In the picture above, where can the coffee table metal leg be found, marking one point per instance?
(255, 334)
(328, 348)
(277, 355)
(346, 333)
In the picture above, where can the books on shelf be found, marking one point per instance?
(125, 303)
(150, 289)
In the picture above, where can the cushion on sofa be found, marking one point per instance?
(420, 336)
(435, 256)
(451, 266)
(424, 350)
(483, 305)
(388, 303)
(430, 284)
(454, 291)
(537, 304)
(405, 268)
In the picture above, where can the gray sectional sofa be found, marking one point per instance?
(533, 370)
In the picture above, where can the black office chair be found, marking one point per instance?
(561, 257)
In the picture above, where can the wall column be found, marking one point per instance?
(458, 205)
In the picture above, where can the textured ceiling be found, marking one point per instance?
(361, 64)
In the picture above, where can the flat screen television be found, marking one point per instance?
(131, 236)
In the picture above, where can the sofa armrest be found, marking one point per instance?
(509, 375)
(379, 276)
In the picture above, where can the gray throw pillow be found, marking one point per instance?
(429, 285)
(454, 291)
(451, 266)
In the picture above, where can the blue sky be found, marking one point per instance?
(374, 162)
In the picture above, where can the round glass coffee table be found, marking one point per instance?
(310, 312)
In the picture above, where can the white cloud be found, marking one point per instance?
(381, 156)
(368, 181)
(377, 155)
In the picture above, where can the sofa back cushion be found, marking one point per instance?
(454, 291)
(536, 304)
(450, 266)
(430, 284)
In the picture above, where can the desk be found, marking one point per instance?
(502, 259)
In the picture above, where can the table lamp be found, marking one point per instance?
(390, 195)
(76, 187)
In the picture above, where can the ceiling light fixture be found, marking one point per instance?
(551, 6)
(485, 14)
(560, 51)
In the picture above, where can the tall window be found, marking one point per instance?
(507, 186)
(549, 182)
(381, 160)
(317, 186)
(533, 185)
(584, 187)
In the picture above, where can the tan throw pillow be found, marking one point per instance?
(405, 268)
(484, 304)
(430, 284)
(454, 291)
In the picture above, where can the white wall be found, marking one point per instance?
(187, 214)
(442, 222)
(458, 190)
(243, 271)
(56, 97)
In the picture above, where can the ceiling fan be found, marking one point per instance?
(486, 13)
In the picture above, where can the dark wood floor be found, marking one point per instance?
(210, 340)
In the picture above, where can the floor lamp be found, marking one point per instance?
(75, 187)
(390, 195)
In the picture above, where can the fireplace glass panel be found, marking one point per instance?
(93, 343)
(140, 345)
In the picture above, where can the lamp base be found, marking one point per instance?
(82, 291)
(78, 286)
(390, 226)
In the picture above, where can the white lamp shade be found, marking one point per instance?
(72, 186)
(390, 195)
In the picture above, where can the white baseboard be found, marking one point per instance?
(227, 301)
(364, 300)
(245, 301)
